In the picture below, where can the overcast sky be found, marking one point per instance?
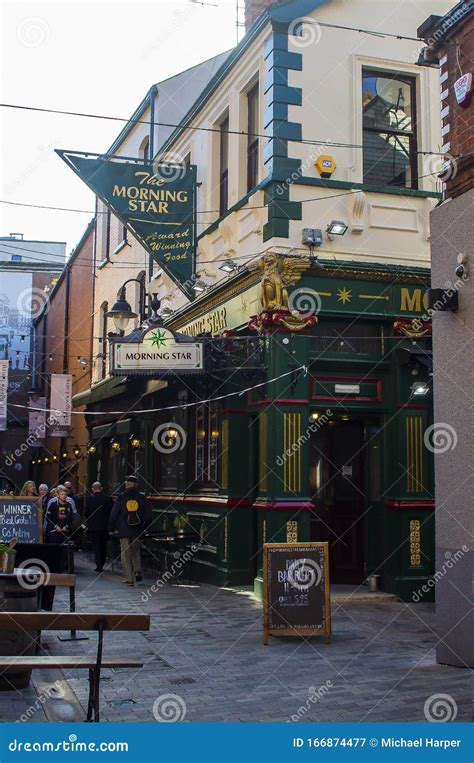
(98, 57)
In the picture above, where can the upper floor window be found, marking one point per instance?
(252, 137)
(224, 167)
(389, 128)
(145, 150)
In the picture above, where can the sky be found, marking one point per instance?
(97, 57)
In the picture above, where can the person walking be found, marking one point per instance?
(130, 518)
(58, 518)
(97, 510)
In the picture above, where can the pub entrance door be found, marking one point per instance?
(339, 480)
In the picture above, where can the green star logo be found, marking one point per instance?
(158, 339)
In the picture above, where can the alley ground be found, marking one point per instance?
(205, 649)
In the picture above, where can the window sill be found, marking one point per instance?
(121, 246)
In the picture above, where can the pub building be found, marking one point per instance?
(332, 450)
(309, 417)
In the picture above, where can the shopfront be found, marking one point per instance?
(293, 432)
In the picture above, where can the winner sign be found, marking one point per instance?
(156, 202)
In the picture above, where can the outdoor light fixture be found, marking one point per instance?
(91, 449)
(46, 459)
(228, 266)
(64, 454)
(121, 311)
(55, 458)
(135, 442)
(215, 434)
(83, 361)
(420, 389)
(336, 228)
(76, 450)
(200, 286)
(314, 416)
(33, 462)
(115, 445)
(166, 312)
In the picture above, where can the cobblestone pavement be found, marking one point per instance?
(205, 649)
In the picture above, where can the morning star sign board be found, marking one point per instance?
(156, 202)
(156, 352)
(20, 518)
(296, 590)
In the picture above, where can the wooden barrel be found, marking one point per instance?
(15, 597)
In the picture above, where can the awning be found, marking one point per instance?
(110, 387)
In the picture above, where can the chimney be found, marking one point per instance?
(254, 9)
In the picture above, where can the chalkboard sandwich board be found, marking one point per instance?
(21, 518)
(296, 590)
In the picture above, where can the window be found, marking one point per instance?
(252, 138)
(206, 448)
(105, 249)
(144, 150)
(102, 357)
(389, 129)
(224, 167)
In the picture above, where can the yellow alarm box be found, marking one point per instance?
(325, 165)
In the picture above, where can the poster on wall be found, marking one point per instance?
(4, 364)
(156, 202)
(60, 405)
(16, 295)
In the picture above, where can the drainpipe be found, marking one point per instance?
(153, 94)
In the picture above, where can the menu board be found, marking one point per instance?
(296, 590)
(21, 518)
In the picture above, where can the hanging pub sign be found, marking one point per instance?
(296, 590)
(155, 350)
(156, 202)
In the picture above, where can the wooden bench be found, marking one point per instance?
(87, 621)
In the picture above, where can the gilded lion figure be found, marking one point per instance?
(277, 274)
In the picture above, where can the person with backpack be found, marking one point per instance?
(130, 519)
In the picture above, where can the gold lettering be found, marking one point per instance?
(118, 191)
(410, 302)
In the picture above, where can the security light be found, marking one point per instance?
(336, 228)
(228, 266)
(166, 312)
(200, 286)
(420, 389)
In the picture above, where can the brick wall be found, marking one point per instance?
(458, 122)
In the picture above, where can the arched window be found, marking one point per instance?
(144, 150)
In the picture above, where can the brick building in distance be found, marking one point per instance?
(450, 44)
(63, 336)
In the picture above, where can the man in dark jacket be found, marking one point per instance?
(96, 515)
(59, 518)
(130, 518)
